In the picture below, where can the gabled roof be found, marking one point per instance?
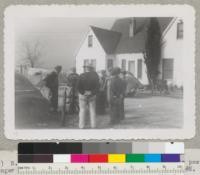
(135, 44)
(108, 39)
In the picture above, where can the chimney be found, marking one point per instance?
(132, 27)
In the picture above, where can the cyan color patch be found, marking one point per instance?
(152, 157)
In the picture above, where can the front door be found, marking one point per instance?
(131, 67)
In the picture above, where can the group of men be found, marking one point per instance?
(95, 93)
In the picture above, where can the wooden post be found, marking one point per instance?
(63, 111)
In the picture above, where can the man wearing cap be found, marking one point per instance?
(52, 83)
(88, 86)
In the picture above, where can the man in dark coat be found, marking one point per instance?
(101, 96)
(52, 82)
(88, 86)
(117, 88)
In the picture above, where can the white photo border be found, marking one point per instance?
(186, 12)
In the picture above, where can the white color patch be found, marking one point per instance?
(174, 148)
(61, 158)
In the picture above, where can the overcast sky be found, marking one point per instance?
(60, 38)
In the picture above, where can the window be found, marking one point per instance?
(139, 68)
(90, 61)
(131, 67)
(168, 66)
(123, 65)
(180, 30)
(110, 63)
(90, 41)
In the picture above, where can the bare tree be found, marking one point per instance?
(32, 52)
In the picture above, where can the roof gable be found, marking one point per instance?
(135, 44)
(117, 40)
(108, 39)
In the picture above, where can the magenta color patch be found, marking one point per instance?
(79, 158)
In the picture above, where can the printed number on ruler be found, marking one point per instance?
(102, 169)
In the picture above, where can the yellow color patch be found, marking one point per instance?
(116, 158)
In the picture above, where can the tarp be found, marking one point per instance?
(132, 83)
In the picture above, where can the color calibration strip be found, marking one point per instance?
(100, 158)
(121, 152)
(101, 148)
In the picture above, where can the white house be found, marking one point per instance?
(172, 57)
(97, 48)
(124, 45)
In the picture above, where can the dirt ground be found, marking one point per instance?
(140, 112)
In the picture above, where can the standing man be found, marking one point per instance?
(72, 81)
(116, 97)
(88, 86)
(52, 82)
(123, 73)
(72, 78)
(101, 96)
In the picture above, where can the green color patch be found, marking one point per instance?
(135, 158)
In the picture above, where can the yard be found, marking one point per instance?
(142, 111)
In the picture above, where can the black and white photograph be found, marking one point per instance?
(75, 73)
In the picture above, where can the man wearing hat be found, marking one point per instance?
(117, 89)
(52, 83)
(88, 86)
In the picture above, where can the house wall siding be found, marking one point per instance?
(95, 52)
(172, 49)
(133, 57)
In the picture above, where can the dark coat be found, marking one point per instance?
(117, 87)
(52, 81)
(88, 81)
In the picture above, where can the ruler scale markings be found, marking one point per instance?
(109, 170)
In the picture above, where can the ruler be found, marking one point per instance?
(103, 169)
(10, 166)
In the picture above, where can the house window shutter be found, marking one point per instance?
(139, 69)
(168, 68)
(123, 65)
(93, 63)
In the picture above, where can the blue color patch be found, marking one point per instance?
(152, 157)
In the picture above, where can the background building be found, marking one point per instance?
(124, 45)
